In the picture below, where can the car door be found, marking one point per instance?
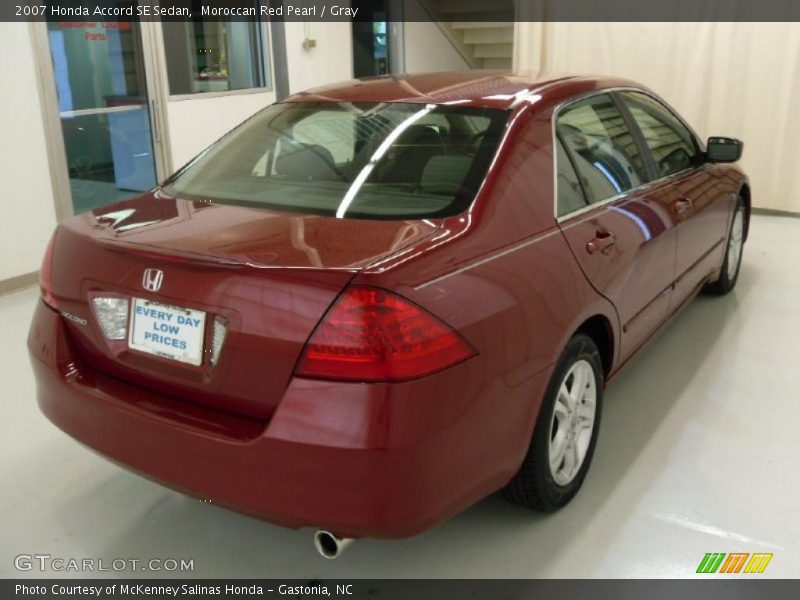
(689, 188)
(621, 233)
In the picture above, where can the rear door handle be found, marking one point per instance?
(682, 207)
(601, 242)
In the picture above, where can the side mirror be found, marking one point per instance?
(723, 149)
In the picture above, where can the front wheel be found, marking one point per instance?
(566, 431)
(733, 254)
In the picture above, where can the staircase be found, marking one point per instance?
(486, 40)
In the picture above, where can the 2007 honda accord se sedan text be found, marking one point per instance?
(374, 303)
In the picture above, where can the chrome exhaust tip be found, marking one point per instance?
(329, 544)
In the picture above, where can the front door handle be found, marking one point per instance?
(601, 242)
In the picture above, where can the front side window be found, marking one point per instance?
(359, 160)
(670, 142)
(603, 151)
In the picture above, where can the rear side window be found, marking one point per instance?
(602, 149)
(670, 142)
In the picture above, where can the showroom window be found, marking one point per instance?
(213, 56)
(601, 146)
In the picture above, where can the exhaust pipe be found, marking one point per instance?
(329, 544)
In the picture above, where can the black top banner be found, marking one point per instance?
(401, 10)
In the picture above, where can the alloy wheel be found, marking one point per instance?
(572, 422)
(735, 243)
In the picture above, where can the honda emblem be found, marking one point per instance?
(151, 280)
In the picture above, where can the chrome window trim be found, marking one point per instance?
(554, 140)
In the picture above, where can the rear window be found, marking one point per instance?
(365, 160)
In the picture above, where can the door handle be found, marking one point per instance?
(601, 242)
(682, 207)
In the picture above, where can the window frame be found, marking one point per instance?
(647, 157)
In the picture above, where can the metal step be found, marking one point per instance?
(487, 40)
(493, 50)
(489, 35)
(495, 63)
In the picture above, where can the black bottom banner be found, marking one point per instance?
(388, 589)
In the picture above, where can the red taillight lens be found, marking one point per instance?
(373, 335)
(46, 274)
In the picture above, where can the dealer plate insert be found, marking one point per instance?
(169, 331)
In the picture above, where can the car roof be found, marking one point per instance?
(478, 88)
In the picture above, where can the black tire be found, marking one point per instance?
(534, 486)
(725, 282)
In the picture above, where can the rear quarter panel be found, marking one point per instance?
(503, 276)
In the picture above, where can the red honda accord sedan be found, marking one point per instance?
(374, 303)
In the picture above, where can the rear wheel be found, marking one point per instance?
(733, 254)
(566, 431)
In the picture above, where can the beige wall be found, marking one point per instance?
(29, 216)
(738, 79)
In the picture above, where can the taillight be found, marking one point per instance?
(218, 338)
(373, 335)
(111, 313)
(46, 274)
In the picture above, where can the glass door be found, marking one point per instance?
(104, 109)
(370, 38)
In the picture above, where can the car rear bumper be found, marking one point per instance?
(359, 460)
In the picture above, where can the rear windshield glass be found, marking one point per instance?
(365, 160)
